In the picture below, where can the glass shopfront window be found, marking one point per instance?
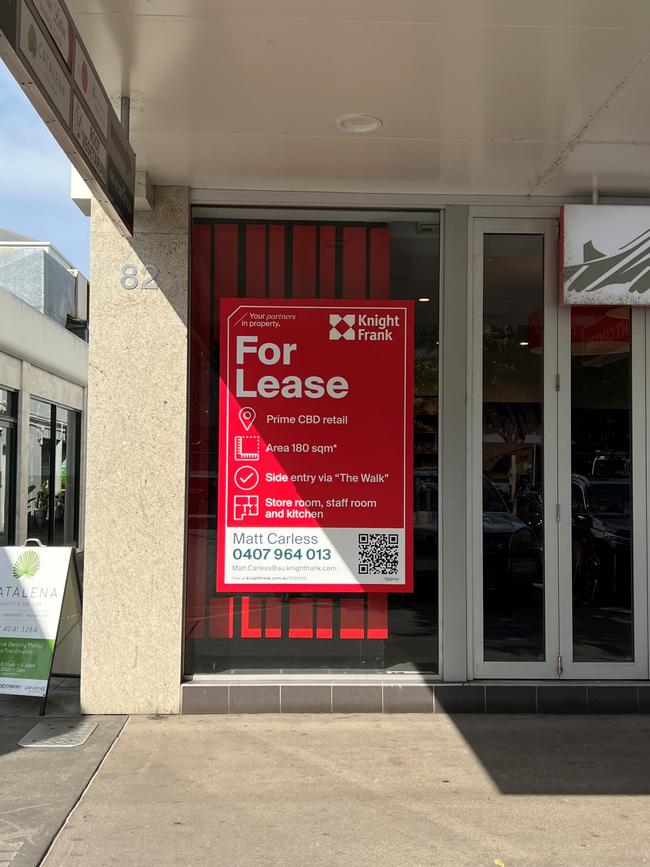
(53, 474)
(324, 258)
(601, 484)
(513, 447)
(8, 413)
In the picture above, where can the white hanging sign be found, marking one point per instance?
(605, 254)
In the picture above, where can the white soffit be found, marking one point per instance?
(510, 97)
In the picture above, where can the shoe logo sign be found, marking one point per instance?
(342, 327)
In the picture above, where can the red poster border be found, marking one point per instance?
(409, 308)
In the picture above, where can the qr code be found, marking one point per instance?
(378, 553)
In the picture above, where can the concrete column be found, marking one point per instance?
(453, 449)
(136, 449)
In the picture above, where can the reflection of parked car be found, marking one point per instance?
(511, 553)
(425, 520)
(600, 511)
(612, 465)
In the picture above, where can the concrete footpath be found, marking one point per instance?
(39, 787)
(367, 790)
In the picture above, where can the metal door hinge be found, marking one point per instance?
(557, 381)
(560, 667)
(557, 513)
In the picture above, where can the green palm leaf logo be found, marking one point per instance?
(27, 565)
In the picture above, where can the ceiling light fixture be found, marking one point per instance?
(358, 123)
(424, 299)
(523, 343)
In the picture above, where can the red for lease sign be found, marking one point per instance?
(315, 452)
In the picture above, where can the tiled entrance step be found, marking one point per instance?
(568, 698)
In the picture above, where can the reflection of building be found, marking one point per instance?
(43, 377)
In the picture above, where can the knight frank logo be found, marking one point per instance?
(342, 327)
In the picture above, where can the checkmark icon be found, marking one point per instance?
(246, 478)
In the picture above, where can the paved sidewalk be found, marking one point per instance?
(366, 790)
(39, 788)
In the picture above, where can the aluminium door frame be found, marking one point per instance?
(531, 225)
(513, 219)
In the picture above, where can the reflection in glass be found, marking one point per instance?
(412, 641)
(7, 402)
(601, 496)
(7, 478)
(8, 410)
(513, 391)
(65, 477)
(38, 486)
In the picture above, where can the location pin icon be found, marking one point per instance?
(247, 416)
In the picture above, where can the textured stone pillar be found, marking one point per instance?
(135, 502)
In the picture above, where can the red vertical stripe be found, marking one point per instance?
(327, 262)
(255, 261)
(276, 261)
(225, 286)
(225, 261)
(273, 618)
(379, 262)
(251, 617)
(221, 620)
(304, 261)
(377, 615)
(352, 611)
(199, 435)
(354, 262)
(301, 617)
(324, 618)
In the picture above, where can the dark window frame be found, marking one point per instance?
(51, 479)
(9, 423)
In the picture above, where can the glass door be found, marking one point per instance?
(602, 489)
(8, 415)
(513, 492)
(558, 483)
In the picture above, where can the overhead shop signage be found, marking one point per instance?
(605, 254)
(315, 465)
(40, 45)
(33, 584)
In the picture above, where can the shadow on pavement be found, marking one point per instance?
(561, 755)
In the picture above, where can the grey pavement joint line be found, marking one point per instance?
(83, 792)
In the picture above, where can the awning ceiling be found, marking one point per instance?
(515, 97)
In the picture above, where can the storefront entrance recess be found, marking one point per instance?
(558, 492)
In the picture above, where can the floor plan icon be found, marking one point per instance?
(247, 448)
(245, 507)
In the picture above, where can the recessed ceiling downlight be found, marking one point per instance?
(357, 123)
